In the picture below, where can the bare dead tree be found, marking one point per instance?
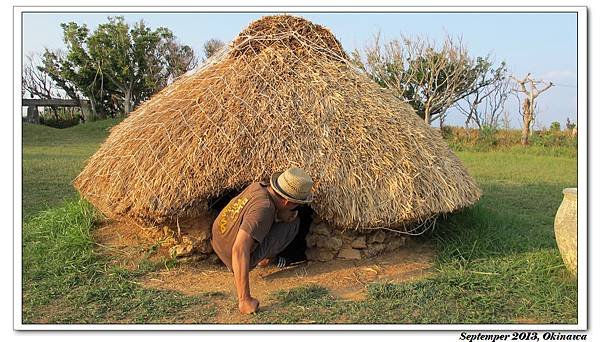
(486, 104)
(211, 47)
(430, 79)
(37, 83)
(571, 127)
(506, 120)
(528, 87)
(178, 59)
(494, 106)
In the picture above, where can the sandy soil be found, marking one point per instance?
(127, 244)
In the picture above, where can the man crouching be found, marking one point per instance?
(258, 224)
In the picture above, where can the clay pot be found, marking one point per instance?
(565, 229)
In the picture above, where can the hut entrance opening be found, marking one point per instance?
(296, 250)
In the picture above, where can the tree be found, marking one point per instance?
(177, 59)
(569, 125)
(486, 104)
(431, 80)
(36, 83)
(506, 120)
(117, 66)
(211, 47)
(555, 126)
(529, 105)
(75, 72)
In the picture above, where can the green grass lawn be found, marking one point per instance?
(52, 158)
(497, 262)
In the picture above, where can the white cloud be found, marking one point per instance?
(557, 76)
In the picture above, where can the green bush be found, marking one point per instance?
(59, 123)
(553, 139)
(488, 138)
(62, 118)
(446, 132)
(487, 135)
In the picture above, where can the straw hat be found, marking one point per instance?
(294, 185)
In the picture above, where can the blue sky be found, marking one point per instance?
(544, 44)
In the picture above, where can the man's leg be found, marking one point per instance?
(278, 238)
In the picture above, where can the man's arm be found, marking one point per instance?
(240, 262)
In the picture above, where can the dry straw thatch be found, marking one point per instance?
(282, 94)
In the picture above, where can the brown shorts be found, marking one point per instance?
(278, 238)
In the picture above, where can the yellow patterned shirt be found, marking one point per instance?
(252, 210)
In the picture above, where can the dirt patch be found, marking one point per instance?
(346, 279)
(526, 320)
(126, 243)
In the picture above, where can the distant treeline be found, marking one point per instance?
(460, 138)
(117, 66)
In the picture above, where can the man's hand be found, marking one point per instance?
(249, 305)
(264, 262)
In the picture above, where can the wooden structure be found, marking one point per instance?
(33, 115)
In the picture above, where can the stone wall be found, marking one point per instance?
(187, 237)
(324, 243)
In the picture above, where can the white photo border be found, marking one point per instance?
(582, 169)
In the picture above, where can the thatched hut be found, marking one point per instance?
(282, 94)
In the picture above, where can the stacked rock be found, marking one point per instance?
(192, 237)
(324, 243)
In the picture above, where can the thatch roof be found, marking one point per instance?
(281, 94)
